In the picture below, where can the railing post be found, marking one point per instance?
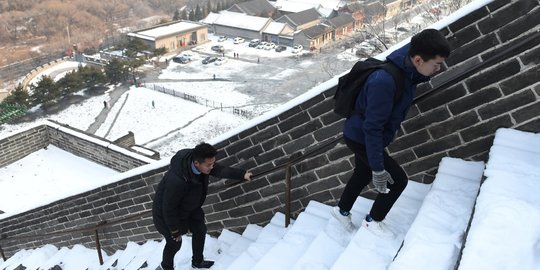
(98, 247)
(2, 253)
(288, 195)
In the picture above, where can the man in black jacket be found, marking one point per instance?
(179, 198)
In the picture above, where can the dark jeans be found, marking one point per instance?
(197, 227)
(361, 177)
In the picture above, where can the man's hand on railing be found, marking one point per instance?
(247, 176)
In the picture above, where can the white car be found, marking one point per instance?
(222, 38)
(297, 48)
(220, 61)
(366, 46)
(269, 46)
(238, 40)
(262, 45)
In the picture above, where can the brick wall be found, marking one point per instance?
(131, 196)
(95, 148)
(22, 144)
(458, 120)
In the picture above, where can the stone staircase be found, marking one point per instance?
(314, 240)
(430, 223)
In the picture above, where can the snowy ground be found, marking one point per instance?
(47, 180)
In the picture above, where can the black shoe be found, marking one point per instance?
(203, 264)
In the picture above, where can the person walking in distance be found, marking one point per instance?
(177, 205)
(368, 132)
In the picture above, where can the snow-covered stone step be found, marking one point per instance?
(285, 253)
(29, 258)
(145, 257)
(330, 243)
(318, 209)
(226, 239)
(436, 235)
(237, 247)
(74, 257)
(268, 237)
(505, 229)
(121, 258)
(182, 259)
(368, 250)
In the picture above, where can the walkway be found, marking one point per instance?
(114, 96)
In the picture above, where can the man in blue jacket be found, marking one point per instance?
(179, 198)
(368, 133)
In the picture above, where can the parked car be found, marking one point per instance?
(222, 38)
(209, 59)
(181, 59)
(269, 46)
(366, 46)
(281, 48)
(220, 60)
(262, 45)
(218, 48)
(254, 42)
(297, 48)
(238, 40)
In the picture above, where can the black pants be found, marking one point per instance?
(361, 177)
(197, 227)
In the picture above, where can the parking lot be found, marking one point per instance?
(269, 77)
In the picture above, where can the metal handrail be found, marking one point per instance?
(293, 159)
(95, 229)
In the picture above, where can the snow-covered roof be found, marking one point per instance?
(275, 28)
(292, 7)
(300, 5)
(211, 18)
(165, 30)
(325, 12)
(242, 21)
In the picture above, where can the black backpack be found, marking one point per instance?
(350, 84)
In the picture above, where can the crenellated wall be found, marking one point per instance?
(458, 120)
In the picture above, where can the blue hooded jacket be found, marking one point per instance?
(382, 117)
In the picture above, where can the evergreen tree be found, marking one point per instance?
(184, 15)
(134, 46)
(160, 51)
(219, 6)
(209, 8)
(192, 15)
(198, 13)
(176, 15)
(91, 77)
(18, 96)
(45, 91)
(70, 83)
(116, 71)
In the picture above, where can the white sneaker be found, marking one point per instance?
(378, 228)
(344, 220)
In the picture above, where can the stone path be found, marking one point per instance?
(114, 96)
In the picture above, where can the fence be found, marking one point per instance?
(206, 102)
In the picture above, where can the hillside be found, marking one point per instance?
(32, 27)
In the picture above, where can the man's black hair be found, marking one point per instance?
(203, 151)
(429, 44)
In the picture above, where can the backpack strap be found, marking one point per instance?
(399, 81)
